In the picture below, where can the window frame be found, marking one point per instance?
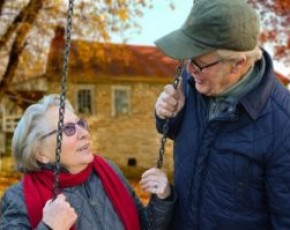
(113, 93)
(90, 88)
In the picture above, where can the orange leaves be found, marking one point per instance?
(268, 35)
(275, 15)
(8, 175)
(282, 6)
(123, 14)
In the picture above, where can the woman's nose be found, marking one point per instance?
(82, 133)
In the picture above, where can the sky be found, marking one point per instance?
(161, 20)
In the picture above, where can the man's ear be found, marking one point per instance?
(239, 65)
(42, 157)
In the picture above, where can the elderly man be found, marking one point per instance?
(230, 122)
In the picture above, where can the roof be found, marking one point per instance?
(92, 60)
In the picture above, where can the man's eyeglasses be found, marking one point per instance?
(69, 129)
(196, 66)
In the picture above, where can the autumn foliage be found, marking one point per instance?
(275, 16)
(26, 27)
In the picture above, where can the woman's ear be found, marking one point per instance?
(42, 157)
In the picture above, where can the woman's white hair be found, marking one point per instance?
(251, 56)
(29, 129)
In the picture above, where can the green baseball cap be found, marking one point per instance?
(211, 25)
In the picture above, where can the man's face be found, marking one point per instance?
(212, 75)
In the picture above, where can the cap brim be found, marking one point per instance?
(178, 45)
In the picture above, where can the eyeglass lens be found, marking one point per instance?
(195, 65)
(69, 129)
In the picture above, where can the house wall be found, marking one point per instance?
(123, 139)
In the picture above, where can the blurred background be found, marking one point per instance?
(115, 71)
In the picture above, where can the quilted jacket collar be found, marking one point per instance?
(255, 101)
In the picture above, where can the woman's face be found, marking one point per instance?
(76, 153)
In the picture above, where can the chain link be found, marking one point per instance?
(62, 99)
(166, 123)
(163, 141)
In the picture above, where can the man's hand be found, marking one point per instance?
(170, 101)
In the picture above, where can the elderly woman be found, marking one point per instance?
(93, 192)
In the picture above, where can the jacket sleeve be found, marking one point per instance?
(278, 186)
(13, 215)
(159, 212)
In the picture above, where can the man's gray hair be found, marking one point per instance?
(29, 129)
(251, 56)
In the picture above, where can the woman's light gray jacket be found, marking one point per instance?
(92, 205)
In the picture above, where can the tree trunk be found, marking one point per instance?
(26, 18)
(2, 2)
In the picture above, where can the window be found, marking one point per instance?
(84, 99)
(132, 162)
(121, 100)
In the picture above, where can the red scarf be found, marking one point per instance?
(38, 189)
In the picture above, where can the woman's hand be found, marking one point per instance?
(155, 181)
(58, 214)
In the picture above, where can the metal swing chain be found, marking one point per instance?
(62, 98)
(164, 137)
(167, 121)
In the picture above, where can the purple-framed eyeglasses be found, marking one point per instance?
(69, 129)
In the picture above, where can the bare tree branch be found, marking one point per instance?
(28, 16)
(2, 2)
